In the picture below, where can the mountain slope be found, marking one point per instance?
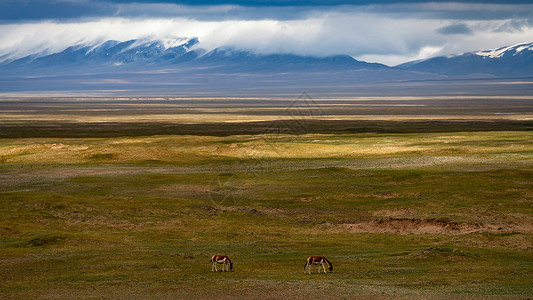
(180, 66)
(510, 61)
(118, 56)
(109, 53)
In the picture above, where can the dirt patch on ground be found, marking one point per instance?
(219, 209)
(380, 195)
(394, 213)
(413, 226)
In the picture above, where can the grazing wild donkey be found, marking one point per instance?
(318, 260)
(221, 259)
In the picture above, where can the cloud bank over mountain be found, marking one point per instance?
(387, 32)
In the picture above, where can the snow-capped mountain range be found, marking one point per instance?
(150, 54)
(515, 50)
(109, 53)
(181, 65)
(509, 61)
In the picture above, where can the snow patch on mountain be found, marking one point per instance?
(173, 42)
(112, 48)
(500, 52)
(504, 62)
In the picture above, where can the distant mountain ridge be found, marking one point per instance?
(135, 53)
(509, 61)
(181, 66)
(111, 53)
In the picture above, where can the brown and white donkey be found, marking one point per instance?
(221, 259)
(318, 260)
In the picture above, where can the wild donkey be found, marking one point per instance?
(318, 260)
(221, 259)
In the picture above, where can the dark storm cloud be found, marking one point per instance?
(460, 11)
(25, 10)
(515, 25)
(383, 31)
(35, 10)
(455, 29)
(308, 2)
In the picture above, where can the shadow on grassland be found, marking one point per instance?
(32, 129)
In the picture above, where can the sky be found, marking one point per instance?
(384, 31)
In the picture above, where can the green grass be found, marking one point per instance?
(134, 217)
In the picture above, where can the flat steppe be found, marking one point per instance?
(128, 198)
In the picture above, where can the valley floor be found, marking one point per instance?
(435, 208)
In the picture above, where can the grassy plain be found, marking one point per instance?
(404, 207)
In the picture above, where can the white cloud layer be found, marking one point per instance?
(366, 33)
